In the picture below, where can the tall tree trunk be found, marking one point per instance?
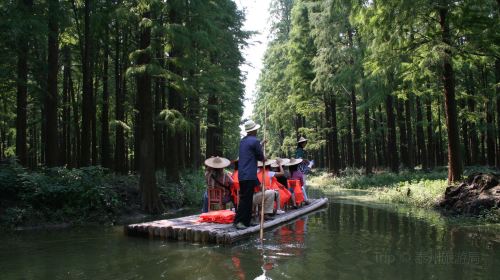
(354, 116)
(441, 157)
(334, 136)
(409, 132)
(76, 125)
(32, 153)
(368, 142)
(431, 154)
(355, 130)
(328, 127)
(379, 147)
(482, 146)
(172, 161)
(87, 109)
(194, 145)
(50, 100)
(22, 84)
(213, 137)
(105, 146)
(385, 155)
(421, 149)
(343, 153)
(490, 119)
(147, 182)
(403, 137)
(66, 117)
(94, 116)
(465, 134)
(454, 156)
(127, 142)
(158, 128)
(349, 144)
(137, 136)
(174, 142)
(497, 90)
(473, 132)
(120, 159)
(391, 135)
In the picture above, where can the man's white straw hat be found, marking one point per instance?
(251, 126)
(302, 139)
(217, 162)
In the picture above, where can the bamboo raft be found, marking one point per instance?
(189, 229)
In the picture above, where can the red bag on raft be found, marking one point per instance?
(219, 217)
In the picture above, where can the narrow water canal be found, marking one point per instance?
(346, 240)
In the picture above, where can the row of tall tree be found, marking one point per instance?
(132, 85)
(385, 84)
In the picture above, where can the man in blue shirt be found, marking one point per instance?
(250, 153)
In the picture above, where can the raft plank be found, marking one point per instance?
(189, 229)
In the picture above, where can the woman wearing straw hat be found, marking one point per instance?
(269, 194)
(215, 176)
(306, 165)
(250, 152)
(297, 174)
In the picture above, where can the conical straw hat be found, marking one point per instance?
(217, 162)
(294, 161)
(284, 161)
(268, 162)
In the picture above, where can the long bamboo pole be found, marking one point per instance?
(263, 183)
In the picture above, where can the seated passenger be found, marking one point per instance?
(279, 181)
(269, 194)
(296, 174)
(235, 188)
(216, 177)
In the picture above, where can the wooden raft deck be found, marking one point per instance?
(188, 229)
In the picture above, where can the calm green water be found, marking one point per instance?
(347, 240)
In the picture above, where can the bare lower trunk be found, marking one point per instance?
(403, 137)
(454, 156)
(105, 147)
(421, 150)
(391, 135)
(50, 101)
(409, 132)
(497, 90)
(87, 91)
(147, 182)
(431, 155)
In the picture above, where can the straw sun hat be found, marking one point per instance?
(302, 139)
(268, 162)
(284, 161)
(294, 161)
(250, 126)
(217, 162)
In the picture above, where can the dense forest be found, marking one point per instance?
(384, 84)
(133, 86)
(148, 86)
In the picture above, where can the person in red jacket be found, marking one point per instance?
(269, 195)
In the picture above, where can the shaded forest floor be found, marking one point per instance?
(59, 197)
(418, 189)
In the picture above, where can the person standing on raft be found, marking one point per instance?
(249, 153)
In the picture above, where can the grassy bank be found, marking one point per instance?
(82, 196)
(414, 189)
